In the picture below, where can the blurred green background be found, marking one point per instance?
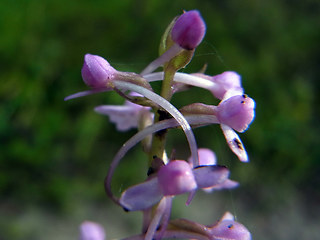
(54, 154)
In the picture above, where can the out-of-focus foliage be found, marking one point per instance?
(52, 152)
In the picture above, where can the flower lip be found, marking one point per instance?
(96, 71)
(189, 30)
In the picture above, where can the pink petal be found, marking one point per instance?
(141, 196)
(209, 176)
(234, 142)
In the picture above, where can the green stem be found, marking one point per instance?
(166, 90)
(159, 138)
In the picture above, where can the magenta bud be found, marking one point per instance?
(189, 30)
(96, 71)
(237, 112)
(176, 178)
(91, 231)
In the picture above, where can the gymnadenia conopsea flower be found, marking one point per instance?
(152, 114)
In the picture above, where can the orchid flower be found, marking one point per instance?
(91, 231)
(206, 158)
(99, 75)
(234, 113)
(175, 178)
(143, 109)
(186, 34)
(237, 113)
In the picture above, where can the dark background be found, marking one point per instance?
(54, 154)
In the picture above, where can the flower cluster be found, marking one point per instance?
(153, 115)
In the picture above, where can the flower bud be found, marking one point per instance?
(91, 231)
(96, 71)
(189, 30)
(237, 112)
(176, 178)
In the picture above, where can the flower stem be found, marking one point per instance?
(159, 139)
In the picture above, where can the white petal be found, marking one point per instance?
(234, 142)
(125, 117)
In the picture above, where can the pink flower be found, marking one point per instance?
(206, 158)
(100, 76)
(175, 178)
(237, 112)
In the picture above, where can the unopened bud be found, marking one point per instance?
(189, 30)
(96, 71)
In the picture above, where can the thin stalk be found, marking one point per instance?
(159, 140)
(161, 208)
